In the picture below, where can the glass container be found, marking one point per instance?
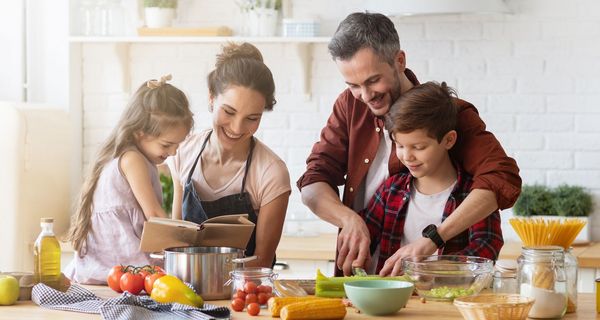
(253, 285)
(571, 267)
(46, 253)
(541, 275)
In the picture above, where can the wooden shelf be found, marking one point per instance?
(151, 39)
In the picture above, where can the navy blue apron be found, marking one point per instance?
(198, 211)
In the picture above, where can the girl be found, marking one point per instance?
(226, 170)
(123, 189)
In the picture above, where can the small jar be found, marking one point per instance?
(505, 277)
(541, 275)
(252, 285)
(571, 266)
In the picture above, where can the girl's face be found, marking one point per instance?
(236, 115)
(158, 148)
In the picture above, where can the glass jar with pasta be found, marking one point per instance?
(571, 266)
(541, 275)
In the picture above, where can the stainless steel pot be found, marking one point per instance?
(205, 268)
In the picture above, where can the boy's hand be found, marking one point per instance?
(393, 265)
(353, 244)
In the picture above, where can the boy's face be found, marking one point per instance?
(372, 80)
(422, 154)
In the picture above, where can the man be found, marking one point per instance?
(355, 151)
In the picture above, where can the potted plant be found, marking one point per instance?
(259, 17)
(562, 202)
(159, 13)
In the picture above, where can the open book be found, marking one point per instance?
(224, 231)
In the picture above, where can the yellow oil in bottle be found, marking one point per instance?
(46, 253)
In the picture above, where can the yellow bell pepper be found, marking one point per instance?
(169, 289)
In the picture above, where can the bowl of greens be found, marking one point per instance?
(446, 277)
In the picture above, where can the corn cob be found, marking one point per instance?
(317, 309)
(275, 304)
(333, 287)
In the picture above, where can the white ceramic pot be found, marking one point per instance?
(159, 17)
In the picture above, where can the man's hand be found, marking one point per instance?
(353, 244)
(393, 265)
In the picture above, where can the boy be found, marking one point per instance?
(410, 205)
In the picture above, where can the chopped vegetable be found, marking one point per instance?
(333, 287)
(448, 292)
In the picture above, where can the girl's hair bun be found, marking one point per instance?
(234, 51)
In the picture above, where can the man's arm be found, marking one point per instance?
(353, 239)
(482, 156)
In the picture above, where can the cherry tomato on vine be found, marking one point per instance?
(114, 278)
(132, 282)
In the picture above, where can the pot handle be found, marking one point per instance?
(155, 255)
(244, 260)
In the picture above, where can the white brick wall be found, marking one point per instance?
(534, 76)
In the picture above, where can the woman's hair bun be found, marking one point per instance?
(234, 51)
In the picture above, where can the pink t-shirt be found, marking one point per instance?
(267, 179)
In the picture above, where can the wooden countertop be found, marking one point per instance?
(588, 255)
(322, 247)
(414, 310)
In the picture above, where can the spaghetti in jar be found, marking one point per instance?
(541, 275)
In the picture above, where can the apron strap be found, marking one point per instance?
(248, 162)
(189, 178)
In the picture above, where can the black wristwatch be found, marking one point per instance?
(431, 232)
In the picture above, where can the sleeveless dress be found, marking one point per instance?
(117, 223)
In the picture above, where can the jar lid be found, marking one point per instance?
(506, 265)
(47, 220)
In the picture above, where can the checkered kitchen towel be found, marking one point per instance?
(126, 306)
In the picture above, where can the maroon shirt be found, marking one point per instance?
(386, 213)
(349, 142)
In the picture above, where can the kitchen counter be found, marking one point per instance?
(414, 310)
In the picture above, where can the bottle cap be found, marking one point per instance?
(47, 220)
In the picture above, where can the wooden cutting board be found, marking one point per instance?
(186, 32)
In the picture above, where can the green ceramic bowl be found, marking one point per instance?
(379, 297)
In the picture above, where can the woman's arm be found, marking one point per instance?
(176, 209)
(268, 230)
(134, 168)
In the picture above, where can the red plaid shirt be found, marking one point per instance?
(386, 213)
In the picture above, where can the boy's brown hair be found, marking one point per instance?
(429, 106)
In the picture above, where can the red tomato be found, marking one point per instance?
(237, 304)
(263, 298)
(114, 278)
(253, 309)
(132, 282)
(251, 298)
(149, 281)
(144, 273)
(159, 269)
(250, 287)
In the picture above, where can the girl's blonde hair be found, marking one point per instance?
(154, 108)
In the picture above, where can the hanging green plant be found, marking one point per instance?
(571, 201)
(534, 200)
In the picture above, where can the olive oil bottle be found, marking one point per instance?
(46, 253)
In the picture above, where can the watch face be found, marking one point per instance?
(427, 232)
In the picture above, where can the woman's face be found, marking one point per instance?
(236, 115)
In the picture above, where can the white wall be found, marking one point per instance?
(11, 55)
(534, 76)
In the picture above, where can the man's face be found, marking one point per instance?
(372, 80)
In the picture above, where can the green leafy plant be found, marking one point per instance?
(572, 201)
(166, 183)
(160, 4)
(567, 201)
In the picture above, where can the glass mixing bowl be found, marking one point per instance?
(446, 277)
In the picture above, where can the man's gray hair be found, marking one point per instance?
(365, 30)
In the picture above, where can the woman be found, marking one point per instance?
(226, 170)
